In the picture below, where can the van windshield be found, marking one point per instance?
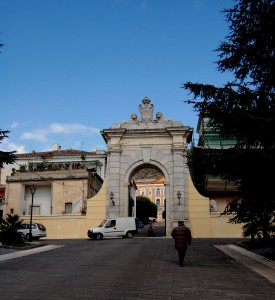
(102, 223)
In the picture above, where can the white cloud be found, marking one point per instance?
(68, 135)
(7, 147)
(72, 128)
(18, 148)
(37, 135)
(14, 124)
(41, 135)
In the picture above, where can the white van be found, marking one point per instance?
(116, 227)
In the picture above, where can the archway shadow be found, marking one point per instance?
(159, 230)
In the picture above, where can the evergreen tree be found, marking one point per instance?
(145, 209)
(6, 157)
(244, 110)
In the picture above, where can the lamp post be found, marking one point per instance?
(33, 189)
(179, 196)
(112, 197)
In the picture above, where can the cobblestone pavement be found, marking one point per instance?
(138, 268)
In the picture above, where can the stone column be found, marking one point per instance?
(113, 139)
(180, 177)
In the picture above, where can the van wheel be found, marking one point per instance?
(98, 236)
(129, 234)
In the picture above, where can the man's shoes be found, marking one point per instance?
(181, 264)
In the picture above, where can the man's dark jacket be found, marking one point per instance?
(182, 236)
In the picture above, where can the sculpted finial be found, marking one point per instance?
(146, 101)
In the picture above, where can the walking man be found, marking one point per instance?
(182, 237)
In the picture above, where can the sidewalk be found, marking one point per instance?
(255, 262)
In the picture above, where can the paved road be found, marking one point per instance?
(138, 268)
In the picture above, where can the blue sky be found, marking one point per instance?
(71, 68)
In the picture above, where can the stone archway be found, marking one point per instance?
(151, 183)
(140, 168)
(158, 142)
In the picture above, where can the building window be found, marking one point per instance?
(150, 192)
(164, 192)
(158, 202)
(158, 192)
(143, 192)
(68, 207)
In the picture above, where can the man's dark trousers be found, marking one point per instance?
(181, 253)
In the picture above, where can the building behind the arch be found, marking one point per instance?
(147, 141)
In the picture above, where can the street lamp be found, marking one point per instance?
(179, 196)
(33, 189)
(112, 197)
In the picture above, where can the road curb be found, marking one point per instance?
(255, 262)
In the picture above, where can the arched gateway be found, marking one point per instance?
(148, 142)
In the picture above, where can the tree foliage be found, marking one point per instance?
(145, 209)
(9, 156)
(1, 45)
(8, 227)
(244, 109)
(5, 157)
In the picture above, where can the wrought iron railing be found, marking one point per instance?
(56, 166)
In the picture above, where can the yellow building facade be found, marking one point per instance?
(203, 223)
(156, 192)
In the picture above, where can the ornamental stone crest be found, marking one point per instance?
(146, 120)
(146, 111)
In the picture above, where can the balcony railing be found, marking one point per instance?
(58, 166)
